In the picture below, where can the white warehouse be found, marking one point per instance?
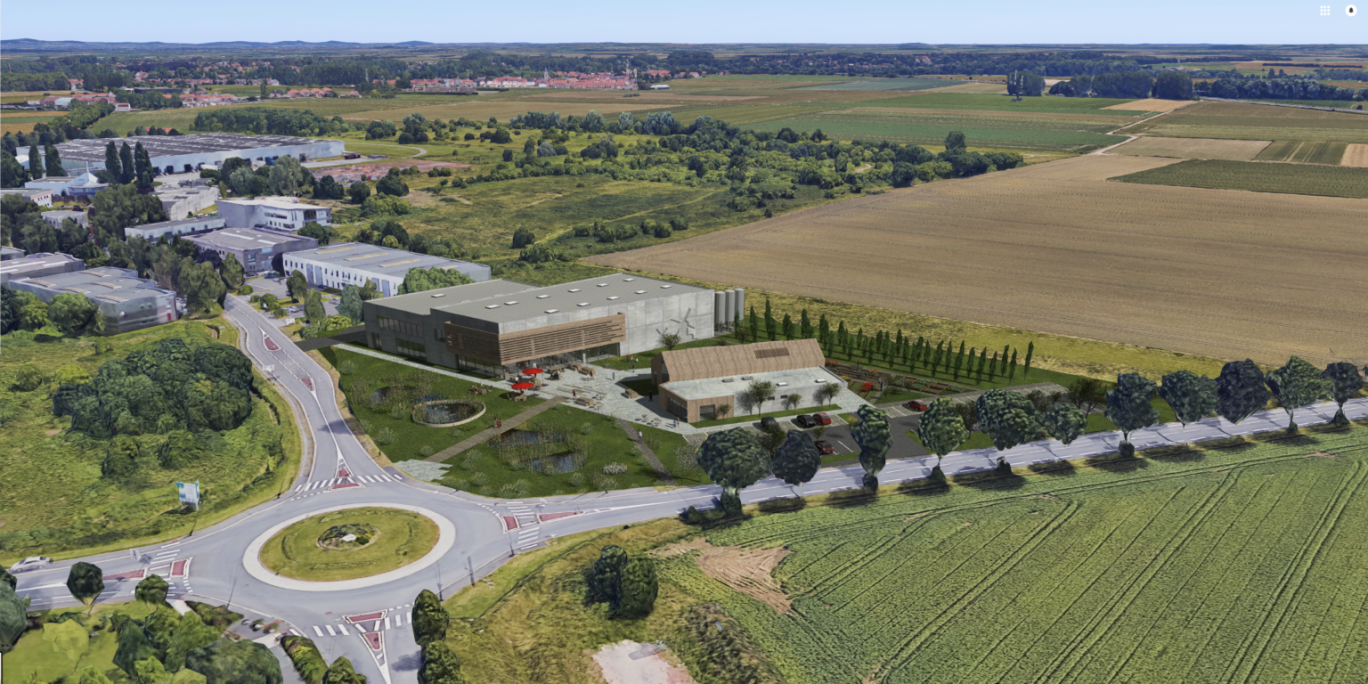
(354, 263)
(276, 213)
(185, 153)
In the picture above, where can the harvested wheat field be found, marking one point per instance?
(1193, 148)
(1150, 105)
(1355, 155)
(1056, 248)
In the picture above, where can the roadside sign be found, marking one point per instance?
(188, 492)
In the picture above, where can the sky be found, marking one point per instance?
(701, 21)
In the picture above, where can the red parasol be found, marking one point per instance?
(523, 385)
(532, 371)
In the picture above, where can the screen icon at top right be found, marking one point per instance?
(1351, 11)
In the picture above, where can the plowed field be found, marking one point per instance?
(1056, 248)
(1193, 148)
(1355, 155)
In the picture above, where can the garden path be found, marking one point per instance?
(646, 453)
(486, 434)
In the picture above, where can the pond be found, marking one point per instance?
(447, 412)
(559, 464)
(528, 438)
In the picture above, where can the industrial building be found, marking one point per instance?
(185, 153)
(37, 265)
(354, 263)
(257, 249)
(707, 383)
(187, 198)
(39, 196)
(154, 231)
(7, 253)
(83, 186)
(126, 301)
(498, 326)
(279, 213)
(57, 216)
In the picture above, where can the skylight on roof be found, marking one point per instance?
(583, 304)
(439, 294)
(603, 284)
(641, 292)
(511, 303)
(574, 289)
(491, 306)
(628, 280)
(612, 298)
(552, 310)
(542, 296)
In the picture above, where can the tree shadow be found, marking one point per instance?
(998, 479)
(1057, 468)
(923, 488)
(851, 498)
(1178, 453)
(1116, 463)
(791, 504)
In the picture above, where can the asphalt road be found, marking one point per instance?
(368, 622)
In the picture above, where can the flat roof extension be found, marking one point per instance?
(372, 259)
(92, 150)
(708, 388)
(242, 238)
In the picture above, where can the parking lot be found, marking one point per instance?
(838, 435)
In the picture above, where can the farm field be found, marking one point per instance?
(1355, 156)
(1148, 105)
(1303, 151)
(1193, 148)
(1028, 240)
(1204, 565)
(1304, 179)
(887, 84)
(988, 102)
(1244, 121)
(988, 129)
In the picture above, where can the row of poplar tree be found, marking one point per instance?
(895, 349)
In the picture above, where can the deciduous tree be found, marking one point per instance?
(638, 588)
(797, 460)
(229, 662)
(1240, 390)
(604, 578)
(735, 460)
(1009, 418)
(1064, 422)
(429, 619)
(73, 313)
(232, 273)
(342, 672)
(1345, 384)
(1297, 384)
(313, 307)
(152, 590)
(133, 647)
(1192, 397)
(85, 582)
(440, 665)
(941, 430)
(350, 304)
(875, 436)
(423, 279)
(1129, 407)
(12, 617)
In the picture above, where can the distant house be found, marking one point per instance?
(281, 213)
(660, 86)
(55, 218)
(82, 186)
(258, 250)
(39, 196)
(353, 263)
(155, 231)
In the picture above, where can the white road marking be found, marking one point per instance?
(318, 631)
(387, 623)
(343, 629)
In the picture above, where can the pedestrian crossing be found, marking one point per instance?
(525, 523)
(335, 482)
(366, 623)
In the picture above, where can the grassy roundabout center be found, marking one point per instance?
(314, 548)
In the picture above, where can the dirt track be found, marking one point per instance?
(1056, 248)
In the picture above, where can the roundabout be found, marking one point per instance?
(349, 547)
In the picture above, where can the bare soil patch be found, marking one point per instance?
(1150, 105)
(749, 571)
(1056, 248)
(630, 662)
(1194, 148)
(1355, 155)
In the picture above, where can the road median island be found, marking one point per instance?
(349, 547)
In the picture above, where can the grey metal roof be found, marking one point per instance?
(498, 307)
(16, 268)
(106, 282)
(242, 238)
(93, 150)
(447, 297)
(372, 259)
(800, 380)
(64, 213)
(178, 222)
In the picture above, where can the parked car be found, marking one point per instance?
(821, 419)
(769, 424)
(825, 447)
(31, 563)
(804, 421)
(919, 404)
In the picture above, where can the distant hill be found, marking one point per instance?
(32, 45)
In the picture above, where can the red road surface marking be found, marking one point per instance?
(510, 522)
(132, 574)
(365, 618)
(347, 486)
(180, 568)
(374, 640)
(308, 382)
(271, 345)
(556, 516)
(343, 472)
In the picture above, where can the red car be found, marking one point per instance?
(825, 447)
(821, 419)
(918, 405)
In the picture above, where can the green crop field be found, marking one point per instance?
(988, 130)
(1303, 151)
(1237, 564)
(1004, 103)
(1328, 181)
(1245, 121)
(888, 84)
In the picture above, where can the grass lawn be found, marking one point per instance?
(1190, 534)
(899, 395)
(490, 471)
(400, 538)
(755, 418)
(53, 500)
(407, 440)
(642, 360)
